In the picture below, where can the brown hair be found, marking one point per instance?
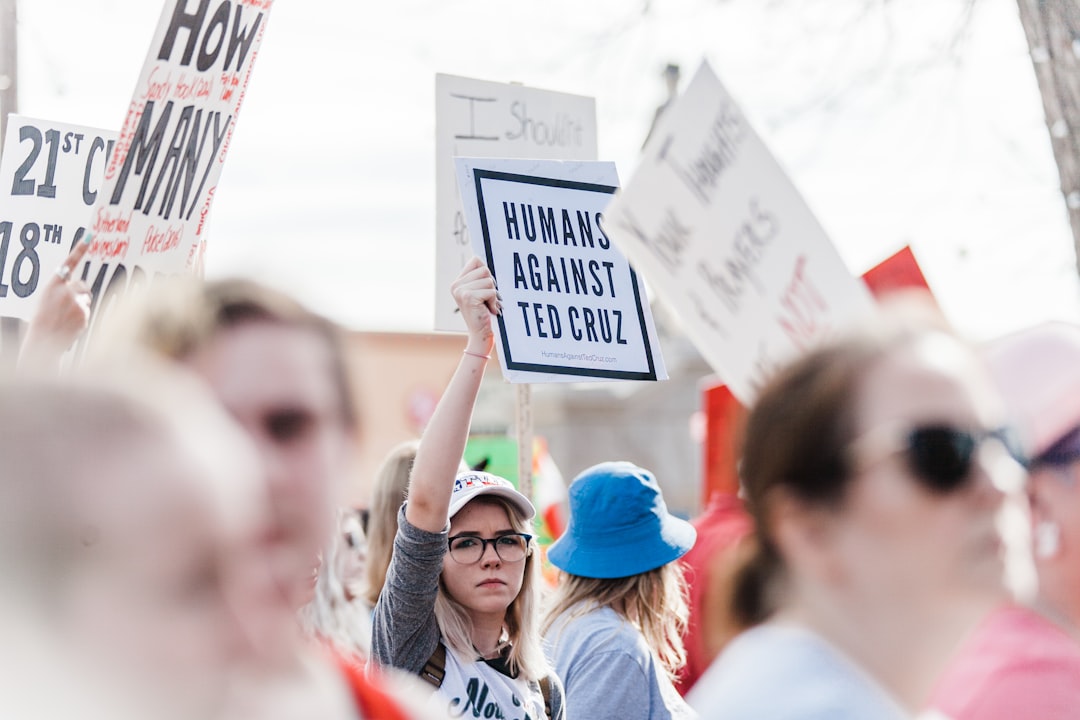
(391, 487)
(796, 434)
(180, 316)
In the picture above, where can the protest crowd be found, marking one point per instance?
(175, 543)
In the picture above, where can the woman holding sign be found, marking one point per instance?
(461, 600)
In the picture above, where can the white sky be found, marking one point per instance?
(897, 125)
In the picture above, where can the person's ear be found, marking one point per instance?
(805, 535)
(1045, 528)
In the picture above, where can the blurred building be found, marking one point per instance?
(400, 376)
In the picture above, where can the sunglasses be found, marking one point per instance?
(1061, 454)
(942, 457)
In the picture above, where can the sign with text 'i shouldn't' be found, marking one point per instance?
(150, 216)
(478, 118)
(573, 308)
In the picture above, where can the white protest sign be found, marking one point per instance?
(50, 175)
(150, 216)
(573, 308)
(476, 118)
(725, 238)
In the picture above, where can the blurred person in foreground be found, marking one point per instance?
(1023, 661)
(871, 466)
(280, 372)
(130, 510)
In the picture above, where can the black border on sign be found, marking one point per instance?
(479, 175)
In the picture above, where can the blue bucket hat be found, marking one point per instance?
(619, 525)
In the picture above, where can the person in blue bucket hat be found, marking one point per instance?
(614, 628)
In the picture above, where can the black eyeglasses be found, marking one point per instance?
(941, 456)
(468, 549)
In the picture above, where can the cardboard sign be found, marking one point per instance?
(573, 308)
(50, 176)
(724, 237)
(475, 118)
(150, 216)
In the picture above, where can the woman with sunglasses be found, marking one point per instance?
(870, 468)
(461, 599)
(1024, 660)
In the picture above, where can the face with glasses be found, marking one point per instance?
(485, 566)
(929, 462)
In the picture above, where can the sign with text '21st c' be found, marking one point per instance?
(719, 230)
(150, 216)
(50, 175)
(476, 118)
(573, 308)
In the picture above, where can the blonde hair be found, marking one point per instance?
(335, 614)
(391, 487)
(522, 615)
(654, 602)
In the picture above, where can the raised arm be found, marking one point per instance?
(63, 313)
(443, 441)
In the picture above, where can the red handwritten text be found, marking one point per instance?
(804, 312)
(159, 241)
(205, 211)
(106, 221)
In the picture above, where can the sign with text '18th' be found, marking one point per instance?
(50, 175)
(573, 308)
(719, 230)
(150, 216)
(476, 118)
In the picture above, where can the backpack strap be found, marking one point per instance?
(545, 690)
(434, 669)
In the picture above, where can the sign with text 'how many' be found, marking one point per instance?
(150, 217)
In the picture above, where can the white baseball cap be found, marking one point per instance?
(1038, 372)
(473, 483)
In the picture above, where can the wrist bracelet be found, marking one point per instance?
(479, 355)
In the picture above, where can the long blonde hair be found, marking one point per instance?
(522, 615)
(335, 614)
(654, 602)
(391, 487)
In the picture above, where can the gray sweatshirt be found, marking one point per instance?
(404, 632)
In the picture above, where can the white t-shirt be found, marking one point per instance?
(779, 672)
(477, 690)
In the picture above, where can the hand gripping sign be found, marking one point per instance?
(477, 118)
(50, 175)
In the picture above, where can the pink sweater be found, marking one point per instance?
(1017, 665)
